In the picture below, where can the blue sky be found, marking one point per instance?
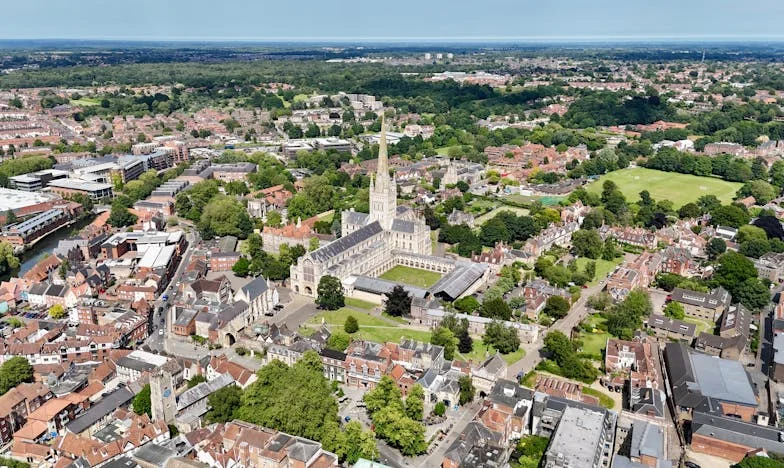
(391, 19)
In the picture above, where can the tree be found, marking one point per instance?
(236, 187)
(13, 372)
(587, 243)
(465, 344)
(142, 404)
(224, 403)
(351, 325)
(242, 267)
(752, 461)
(415, 403)
(733, 270)
(558, 345)
(330, 293)
(385, 394)
(750, 232)
(467, 390)
(7, 258)
(444, 337)
(689, 210)
(10, 217)
(398, 303)
(716, 247)
(225, 216)
(467, 304)
(354, 443)
(752, 293)
(439, 409)
(313, 244)
(497, 309)
(196, 380)
(120, 216)
(729, 215)
(674, 310)
(338, 341)
(57, 311)
(531, 449)
(504, 339)
(557, 307)
(296, 399)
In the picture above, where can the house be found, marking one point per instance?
(706, 306)
(665, 328)
(770, 266)
(366, 362)
(488, 372)
(646, 446)
(220, 365)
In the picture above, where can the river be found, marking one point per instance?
(45, 247)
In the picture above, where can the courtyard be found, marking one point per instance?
(412, 276)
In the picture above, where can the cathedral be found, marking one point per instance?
(372, 243)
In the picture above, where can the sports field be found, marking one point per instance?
(678, 188)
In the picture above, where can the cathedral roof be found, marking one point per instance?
(346, 242)
(402, 225)
(355, 217)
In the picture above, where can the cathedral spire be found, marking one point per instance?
(383, 162)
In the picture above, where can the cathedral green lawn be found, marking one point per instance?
(678, 188)
(360, 304)
(338, 318)
(412, 276)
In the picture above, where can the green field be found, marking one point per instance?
(477, 354)
(546, 201)
(85, 102)
(678, 188)
(603, 267)
(412, 276)
(485, 217)
(338, 317)
(360, 304)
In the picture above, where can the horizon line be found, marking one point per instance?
(399, 39)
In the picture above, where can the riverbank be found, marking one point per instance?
(45, 246)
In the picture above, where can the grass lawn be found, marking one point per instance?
(477, 354)
(444, 150)
(412, 276)
(338, 317)
(482, 219)
(702, 325)
(370, 328)
(603, 267)
(546, 201)
(678, 188)
(393, 334)
(604, 399)
(594, 343)
(360, 304)
(85, 102)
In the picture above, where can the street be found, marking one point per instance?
(533, 351)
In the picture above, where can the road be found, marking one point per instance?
(156, 341)
(533, 351)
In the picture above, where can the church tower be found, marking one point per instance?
(383, 189)
(164, 405)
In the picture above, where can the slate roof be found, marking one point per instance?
(355, 217)
(474, 434)
(255, 288)
(402, 225)
(737, 432)
(203, 390)
(457, 281)
(339, 246)
(105, 405)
